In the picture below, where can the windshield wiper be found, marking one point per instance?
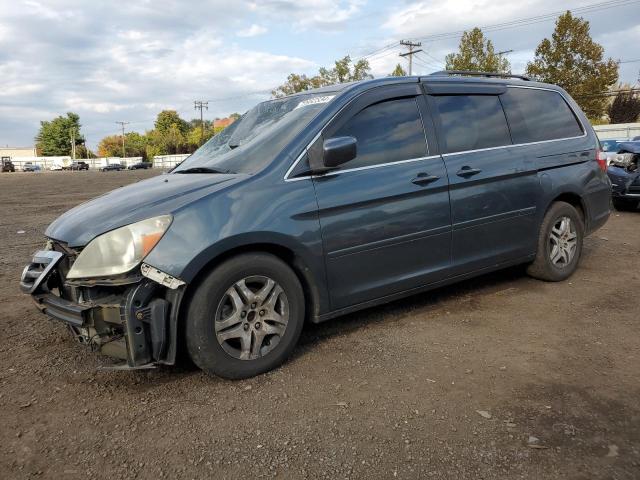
(202, 170)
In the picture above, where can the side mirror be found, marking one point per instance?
(338, 150)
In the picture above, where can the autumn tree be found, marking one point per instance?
(135, 145)
(398, 72)
(476, 53)
(55, 136)
(344, 70)
(625, 107)
(572, 60)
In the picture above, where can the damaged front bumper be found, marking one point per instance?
(132, 317)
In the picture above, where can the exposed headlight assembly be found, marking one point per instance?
(119, 250)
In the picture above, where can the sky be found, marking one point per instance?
(114, 61)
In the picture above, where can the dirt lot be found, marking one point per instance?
(389, 392)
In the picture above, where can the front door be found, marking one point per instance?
(385, 217)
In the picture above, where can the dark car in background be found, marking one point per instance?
(7, 165)
(624, 173)
(322, 203)
(112, 167)
(140, 166)
(79, 165)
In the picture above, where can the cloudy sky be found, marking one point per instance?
(116, 60)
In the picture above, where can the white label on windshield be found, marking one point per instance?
(314, 101)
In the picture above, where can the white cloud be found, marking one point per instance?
(253, 31)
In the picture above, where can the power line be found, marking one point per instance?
(521, 22)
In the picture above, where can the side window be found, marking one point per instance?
(386, 132)
(472, 122)
(537, 115)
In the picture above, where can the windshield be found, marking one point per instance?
(257, 137)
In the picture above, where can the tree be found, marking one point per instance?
(344, 70)
(167, 119)
(135, 145)
(572, 60)
(398, 72)
(476, 53)
(625, 107)
(54, 137)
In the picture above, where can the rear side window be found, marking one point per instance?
(386, 132)
(472, 122)
(538, 115)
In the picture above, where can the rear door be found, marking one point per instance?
(493, 188)
(385, 216)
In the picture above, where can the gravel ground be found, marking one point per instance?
(500, 377)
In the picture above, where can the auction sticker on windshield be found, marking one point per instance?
(314, 101)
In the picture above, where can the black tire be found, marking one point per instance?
(624, 205)
(542, 267)
(202, 344)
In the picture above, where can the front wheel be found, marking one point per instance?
(559, 244)
(246, 316)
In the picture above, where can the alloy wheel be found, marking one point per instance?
(252, 317)
(563, 242)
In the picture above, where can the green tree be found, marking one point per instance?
(625, 107)
(54, 137)
(344, 70)
(476, 53)
(169, 118)
(572, 60)
(398, 72)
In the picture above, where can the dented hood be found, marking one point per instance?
(155, 196)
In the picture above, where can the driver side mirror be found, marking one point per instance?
(338, 150)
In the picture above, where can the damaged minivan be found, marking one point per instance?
(319, 204)
(624, 173)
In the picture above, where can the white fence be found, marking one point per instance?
(168, 161)
(49, 163)
(620, 131)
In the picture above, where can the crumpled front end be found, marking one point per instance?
(624, 172)
(132, 317)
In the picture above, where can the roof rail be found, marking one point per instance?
(473, 73)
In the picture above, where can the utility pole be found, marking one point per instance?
(122, 124)
(411, 52)
(199, 105)
(73, 143)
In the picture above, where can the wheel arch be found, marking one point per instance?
(576, 201)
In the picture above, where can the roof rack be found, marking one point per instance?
(473, 73)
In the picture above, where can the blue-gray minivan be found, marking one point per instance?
(321, 203)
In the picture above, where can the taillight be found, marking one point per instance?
(601, 158)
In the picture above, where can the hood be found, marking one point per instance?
(631, 147)
(159, 195)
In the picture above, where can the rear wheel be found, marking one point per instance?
(246, 316)
(559, 244)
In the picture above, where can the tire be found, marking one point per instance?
(624, 205)
(219, 309)
(544, 267)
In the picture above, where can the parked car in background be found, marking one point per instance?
(56, 167)
(112, 167)
(30, 167)
(7, 165)
(624, 173)
(610, 148)
(636, 139)
(140, 165)
(79, 165)
(322, 203)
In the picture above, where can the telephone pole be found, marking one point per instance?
(199, 105)
(122, 124)
(411, 52)
(73, 143)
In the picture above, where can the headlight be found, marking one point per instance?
(118, 251)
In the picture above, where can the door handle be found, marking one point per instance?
(467, 171)
(424, 179)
